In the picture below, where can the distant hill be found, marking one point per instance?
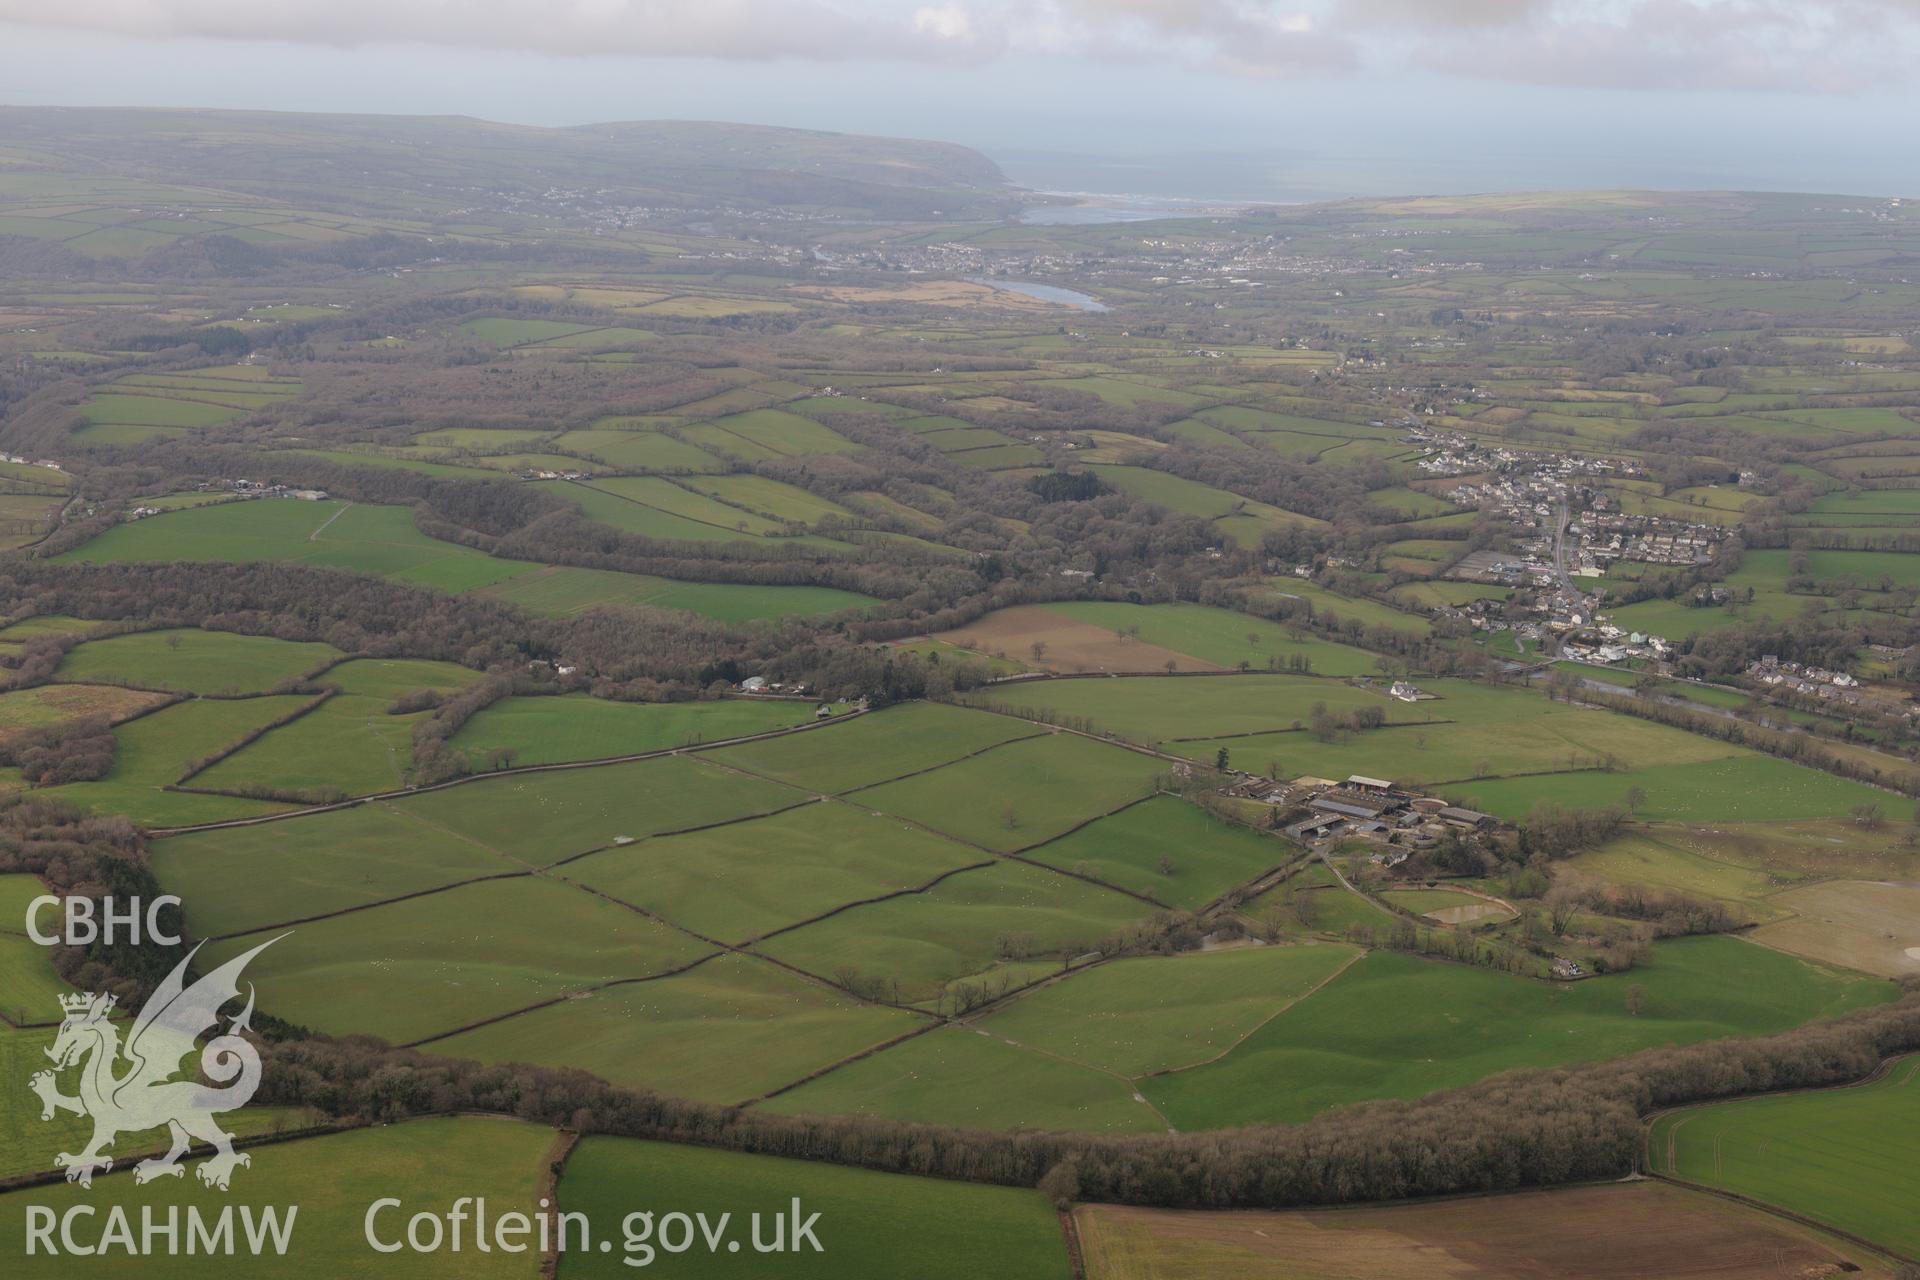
(432, 170)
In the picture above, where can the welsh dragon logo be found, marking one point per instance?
(129, 1088)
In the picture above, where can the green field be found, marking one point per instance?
(367, 539)
(1169, 850)
(1329, 606)
(762, 434)
(562, 590)
(153, 752)
(746, 879)
(968, 1079)
(553, 729)
(1839, 1156)
(1021, 794)
(1005, 920)
(1735, 788)
(1241, 521)
(350, 744)
(874, 748)
(725, 1031)
(1349, 1042)
(426, 966)
(1155, 711)
(1139, 1016)
(192, 661)
(334, 1179)
(871, 1224)
(1220, 636)
(648, 451)
(249, 877)
(240, 878)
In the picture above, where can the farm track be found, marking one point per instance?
(1359, 954)
(315, 535)
(553, 1168)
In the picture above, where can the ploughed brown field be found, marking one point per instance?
(1867, 925)
(1070, 645)
(1627, 1231)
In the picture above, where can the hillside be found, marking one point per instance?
(430, 172)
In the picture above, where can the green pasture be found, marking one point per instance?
(1156, 710)
(769, 498)
(1328, 606)
(759, 434)
(549, 730)
(1167, 849)
(1744, 787)
(724, 1031)
(970, 925)
(970, 1079)
(1138, 1016)
(153, 751)
(875, 747)
(1396, 1026)
(330, 534)
(645, 451)
(334, 1179)
(425, 966)
(546, 815)
(746, 879)
(564, 590)
(1840, 1156)
(242, 878)
(871, 1223)
(1220, 636)
(193, 661)
(1021, 794)
(348, 745)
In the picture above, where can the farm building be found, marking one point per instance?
(1458, 817)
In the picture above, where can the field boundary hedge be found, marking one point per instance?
(402, 792)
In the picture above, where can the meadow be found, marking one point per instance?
(425, 966)
(1039, 788)
(333, 1179)
(1220, 636)
(746, 879)
(725, 1031)
(384, 541)
(187, 660)
(1139, 1016)
(874, 748)
(50, 704)
(1348, 1042)
(322, 862)
(870, 1223)
(154, 751)
(1168, 850)
(1155, 711)
(965, 1078)
(1004, 919)
(548, 730)
(1838, 1156)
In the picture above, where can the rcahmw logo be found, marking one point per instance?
(131, 1088)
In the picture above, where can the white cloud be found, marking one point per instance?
(1833, 45)
(946, 22)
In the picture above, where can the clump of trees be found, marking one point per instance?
(90, 857)
(78, 750)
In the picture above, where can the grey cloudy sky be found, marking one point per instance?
(1275, 98)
